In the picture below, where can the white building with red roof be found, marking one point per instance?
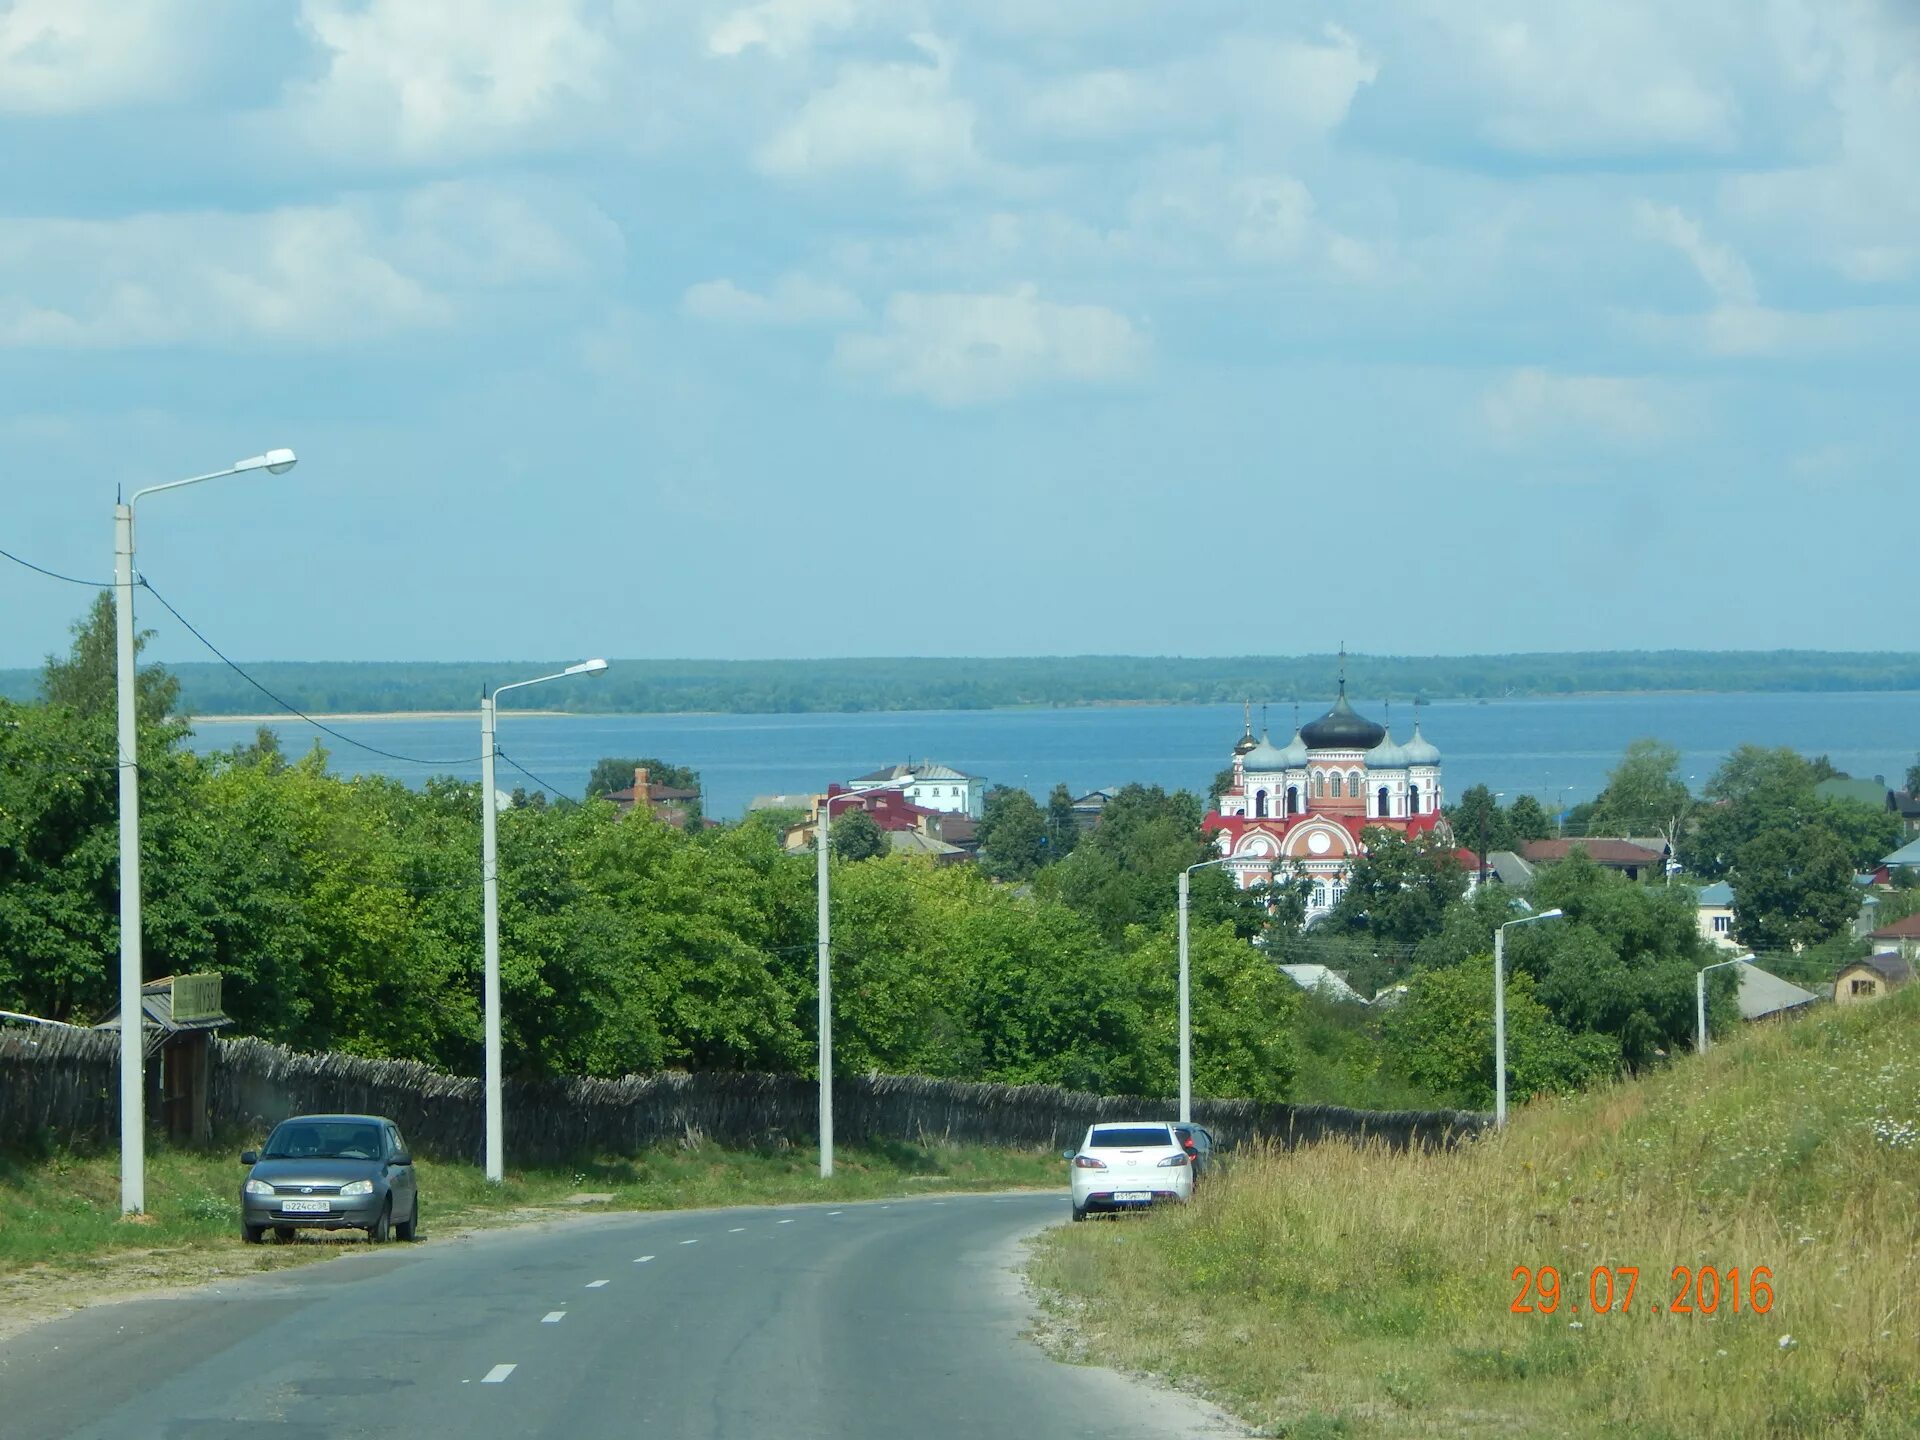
(1303, 808)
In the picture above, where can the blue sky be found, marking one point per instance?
(852, 327)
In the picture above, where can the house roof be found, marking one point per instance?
(1889, 966)
(1509, 867)
(1861, 792)
(911, 771)
(156, 1009)
(658, 794)
(1599, 850)
(1319, 977)
(1908, 854)
(1719, 893)
(1907, 929)
(1907, 803)
(781, 802)
(1763, 993)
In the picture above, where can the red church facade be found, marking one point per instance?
(1302, 809)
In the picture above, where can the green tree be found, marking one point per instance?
(1400, 889)
(1013, 834)
(1124, 872)
(857, 836)
(1442, 1033)
(1793, 888)
(1478, 821)
(1063, 826)
(1526, 820)
(83, 680)
(1644, 794)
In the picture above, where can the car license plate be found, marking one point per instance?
(306, 1207)
(1133, 1195)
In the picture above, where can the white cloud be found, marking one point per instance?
(968, 349)
(1738, 324)
(1619, 77)
(899, 117)
(780, 27)
(68, 56)
(426, 80)
(1535, 406)
(794, 300)
(309, 275)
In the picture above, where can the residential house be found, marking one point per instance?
(1904, 860)
(1874, 978)
(1716, 915)
(930, 785)
(1508, 867)
(670, 804)
(1634, 859)
(1088, 807)
(1901, 938)
(1906, 804)
(891, 810)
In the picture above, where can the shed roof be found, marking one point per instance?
(1763, 993)
(1907, 854)
(1600, 850)
(1719, 893)
(1889, 966)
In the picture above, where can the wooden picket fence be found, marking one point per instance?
(63, 1085)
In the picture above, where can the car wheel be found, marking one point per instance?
(378, 1232)
(250, 1234)
(1079, 1212)
(409, 1229)
(284, 1234)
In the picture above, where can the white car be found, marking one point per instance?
(1127, 1165)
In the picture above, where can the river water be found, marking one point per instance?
(1559, 749)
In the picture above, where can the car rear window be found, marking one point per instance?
(1128, 1137)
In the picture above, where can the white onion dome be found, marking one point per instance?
(1294, 756)
(1420, 750)
(1264, 757)
(1387, 755)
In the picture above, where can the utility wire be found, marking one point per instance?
(288, 705)
(56, 575)
(543, 784)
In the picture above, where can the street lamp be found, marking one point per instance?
(1700, 998)
(1500, 1009)
(1186, 1013)
(490, 890)
(822, 837)
(133, 1139)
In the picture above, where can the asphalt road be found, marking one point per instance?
(874, 1321)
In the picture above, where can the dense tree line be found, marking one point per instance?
(803, 686)
(345, 914)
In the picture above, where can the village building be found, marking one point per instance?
(1874, 978)
(669, 804)
(1303, 808)
(1715, 915)
(1901, 938)
(930, 785)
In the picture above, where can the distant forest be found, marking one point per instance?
(799, 686)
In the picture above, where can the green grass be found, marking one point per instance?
(1364, 1293)
(62, 1210)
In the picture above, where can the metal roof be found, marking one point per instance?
(1718, 893)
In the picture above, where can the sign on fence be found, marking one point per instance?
(196, 997)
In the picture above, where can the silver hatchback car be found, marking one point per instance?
(331, 1172)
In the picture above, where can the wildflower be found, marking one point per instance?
(1576, 1325)
(1787, 1342)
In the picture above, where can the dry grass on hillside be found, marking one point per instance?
(1345, 1292)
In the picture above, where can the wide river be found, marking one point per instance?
(1557, 749)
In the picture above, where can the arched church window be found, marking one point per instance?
(1260, 804)
(1333, 785)
(1319, 784)
(1353, 785)
(1293, 799)
(1413, 799)
(1383, 810)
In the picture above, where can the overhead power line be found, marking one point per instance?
(288, 705)
(55, 574)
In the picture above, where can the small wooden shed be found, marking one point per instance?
(179, 1015)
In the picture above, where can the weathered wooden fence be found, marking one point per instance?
(67, 1087)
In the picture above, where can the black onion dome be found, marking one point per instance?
(1342, 728)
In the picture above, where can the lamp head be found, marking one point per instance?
(585, 667)
(274, 462)
(1550, 914)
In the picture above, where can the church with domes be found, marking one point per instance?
(1303, 808)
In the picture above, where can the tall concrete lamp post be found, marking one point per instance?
(1186, 1009)
(1700, 1041)
(133, 1139)
(490, 891)
(823, 832)
(1500, 1010)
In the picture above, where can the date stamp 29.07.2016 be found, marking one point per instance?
(1613, 1289)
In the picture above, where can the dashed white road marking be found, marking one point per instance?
(737, 1230)
(595, 1284)
(788, 1221)
(694, 1241)
(497, 1374)
(836, 1212)
(553, 1317)
(641, 1259)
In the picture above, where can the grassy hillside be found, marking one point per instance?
(1337, 1292)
